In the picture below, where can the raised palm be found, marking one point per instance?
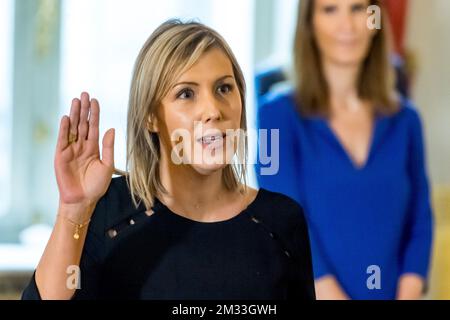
(82, 176)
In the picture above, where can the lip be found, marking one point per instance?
(347, 42)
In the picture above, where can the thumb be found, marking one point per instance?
(108, 148)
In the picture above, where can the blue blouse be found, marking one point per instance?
(366, 224)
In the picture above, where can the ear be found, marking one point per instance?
(152, 123)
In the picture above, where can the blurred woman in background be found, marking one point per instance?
(351, 152)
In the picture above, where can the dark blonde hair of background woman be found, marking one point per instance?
(376, 81)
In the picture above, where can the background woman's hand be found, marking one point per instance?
(81, 175)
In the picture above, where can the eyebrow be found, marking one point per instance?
(196, 84)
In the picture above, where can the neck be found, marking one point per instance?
(194, 194)
(342, 83)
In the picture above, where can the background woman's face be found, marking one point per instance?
(202, 105)
(341, 32)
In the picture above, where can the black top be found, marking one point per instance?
(261, 253)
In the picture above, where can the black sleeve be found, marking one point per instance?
(302, 243)
(90, 263)
(31, 292)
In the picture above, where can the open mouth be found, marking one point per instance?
(212, 140)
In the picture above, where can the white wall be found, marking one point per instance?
(429, 38)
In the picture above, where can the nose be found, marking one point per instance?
(211, 109)
(347, 22)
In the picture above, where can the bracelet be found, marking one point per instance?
(78, 226)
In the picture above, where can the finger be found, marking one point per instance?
(83, 125)
(74, 116)
(63, 135)
(94, 119)
(108, 148)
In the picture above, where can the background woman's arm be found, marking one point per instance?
(419, 229)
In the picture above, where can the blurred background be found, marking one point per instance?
(52, 50)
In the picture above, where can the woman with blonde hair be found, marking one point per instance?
(351, 153)
(181, 224)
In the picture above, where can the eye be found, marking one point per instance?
(225, 88)
(185, 94)
(329, 9)
(359, 7)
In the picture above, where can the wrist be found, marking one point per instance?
(77, 212)
(78, 227)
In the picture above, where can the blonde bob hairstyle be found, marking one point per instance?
(172, 49)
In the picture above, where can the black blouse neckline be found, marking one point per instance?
(160, 208)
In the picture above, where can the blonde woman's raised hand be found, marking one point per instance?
(82, 176)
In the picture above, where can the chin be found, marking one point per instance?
(349, 56)
(207, 162)
(207, 169)
(348, 59)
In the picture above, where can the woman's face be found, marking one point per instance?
(204, 108)
(341, 32)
